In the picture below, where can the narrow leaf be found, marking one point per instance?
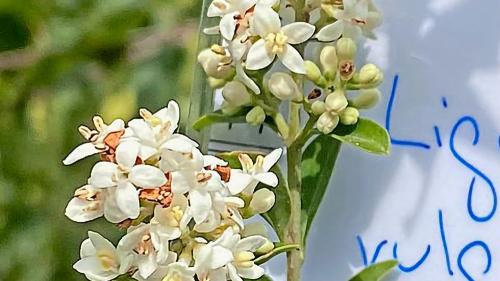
(318, 162)
(218, 117)
(375, 272)
(279, 249)
(278, 216)
(366, 135)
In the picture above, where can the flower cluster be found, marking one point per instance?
(257, 33)
(183, 211)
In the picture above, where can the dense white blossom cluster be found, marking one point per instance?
(183, 211)
(257, 34)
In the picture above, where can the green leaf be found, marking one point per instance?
(318, 162)
(218, 117)
(375, 272)
(366, 135)
(278, 216)
(278, 249)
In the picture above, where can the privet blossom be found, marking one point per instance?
(183, 211)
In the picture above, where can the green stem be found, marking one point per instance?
(295, 259)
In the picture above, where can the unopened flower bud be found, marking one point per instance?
(313, 72)
(368, 73)
(318, 107)
(327, 122)
(266, 248)
(366, 99)
(336, 101)
(236, 93)
(284, 87)
(346, 48)
(329, 62)
(262, 201)
(215, 64)
(256, 116)
(349, 116)
(228, 109)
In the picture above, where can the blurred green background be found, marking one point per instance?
(61, 62)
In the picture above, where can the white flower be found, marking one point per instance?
(277, 41)
(224, 207)
(147, 247)
(155, 132)
(99, 140)
(246, 179)
(358, 17)
(199, 185)
(212, 257)
(235, 15)
(169, 222)
(243, 266)
(100, 261)
(174, 271)
(125, 177)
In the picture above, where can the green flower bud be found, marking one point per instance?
(327, 122)
(329, 62)
(346, 48)
(215, 83)
(368, 73)
(318, 107)
(236, 93)
(262, 201)
(349, 116)
(266, 248)
(215, 64)
(313, 72)
(284, 87)
(228, 109)
(367, 99)
(256, 116)
(336, 102)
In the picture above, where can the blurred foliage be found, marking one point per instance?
(61, 62)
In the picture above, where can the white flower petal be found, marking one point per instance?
(245, 79)
(228, 25)
(265, 21)
(80, 152)
(112, 212)
(147, 176)
(201, 203)
(271, 159)
(221, 257)
(77, 211)
(238, 181)
(87, 249)
(180, 185)
(127, 198)
(100, 243)
(102, 175)
(251, 244)
(179, 143)
(126, 153)
(233, 274)
(298, 32)
(268, 178)
(254, 272)
(213, 30)
(331, 32)
(170, 114)
(258, 57)
(292, 59)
